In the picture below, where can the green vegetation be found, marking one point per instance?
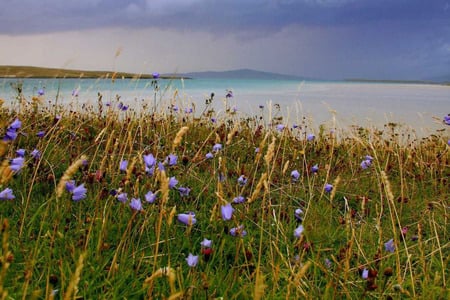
(379, 232)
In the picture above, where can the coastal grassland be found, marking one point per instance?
(380, 231)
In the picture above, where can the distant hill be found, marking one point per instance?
(242, 74)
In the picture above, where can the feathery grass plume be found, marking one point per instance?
(270, 152)
(286, 166)
(162, 272)
(5, 172)
(171, 215)
(333, 191)
(258, 187)
(259, 286)
(130, 170)
(68, 174)
(73, 284)
(179, 136)
(231, 134)
(105, 157)
(387, 186)
(298, 277)
(217, 141)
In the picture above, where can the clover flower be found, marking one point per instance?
(206, 243)
(123, 165)
(136, 204)
(150, 197)
(209, 155)
(122, 197)
(172, 159)
(238, 200)
(187, 219)
(79, 193)
(328, 188)
(192, 260)
(389, 246)
(315, 168)
(172, 182)
(295, 175)
(7, 194)
(238, 231)
(184, 191)
(242, 180)
(226, 211)
(298, 231)
(16, 163)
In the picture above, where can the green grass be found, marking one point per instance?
(53, 247)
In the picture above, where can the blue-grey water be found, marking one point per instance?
(419, 106)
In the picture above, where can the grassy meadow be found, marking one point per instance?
(114, 203)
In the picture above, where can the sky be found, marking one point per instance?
(325, 39)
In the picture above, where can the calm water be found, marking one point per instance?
(419, 106)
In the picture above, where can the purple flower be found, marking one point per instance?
(298, 231)
(20, 152)
(206, 243)
(447, 119)
(150, 197)
(40, 134)
(192, 260)
(261, 106)
(315, 168)
(365, 164)
(217, 147)
(389, 246)
(213, 120)
(70, 185)
(368, 157)
(175, 108)
(41, 92)
(75, 93)
(365, 274)
(238, 200)
(328, 188)
(11, 131)
(242, 180)
(172, 159)
(16, 163)
(123, 165)
(149, 160)
(188, 110)
(172, 182)
(161, 167)
(280, 127)
(229, 94)
(295, 175)
(7, 194)
(122, 197)
(187, 219)
(155, 75)
(122, 107)
(136, 204)
(298, 214)
(257, 150)
(35, 154)
(209, 155)
(310, 137)
(328, 263)
(238, 231)
(79, 193)
(294, 126)
(227, 211)
(184, 191)
(16, 124)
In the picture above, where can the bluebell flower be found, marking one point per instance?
(184, 191)
(36, 154)
(122, 107)
(209, 155)
(7, 194)
(447, 119)
(20, 152)
(188, 110)
(11, 131)
(150, 197)
(155, 75)
(280, 127)
(175, 108)
(172, 159)
(226, 211)
(365, 274)
(79, 193)
(238, 200)
(295, 175)
(217, 147)
(298, 231)
(365, 164)
(70, 185)
(122, 197)
(75, 93)
(16, 124)
(257, 150)
(298, 214)
(187, 219)
(149, 160)
(368, 157)
(294, 126)
(328, 263)
(192, 260)
(172, 182)
(123, 165)
(328, 188)
(315, 168)
(16, 163)
(40, 134)
(238, 231)
(229, 94)
(161, 167)
(213, 120)
(389, 246)
(206, 243)
(41, 92)
(310, 137)
(136, 204)
(242, 180)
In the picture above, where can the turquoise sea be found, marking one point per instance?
(420, 106)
